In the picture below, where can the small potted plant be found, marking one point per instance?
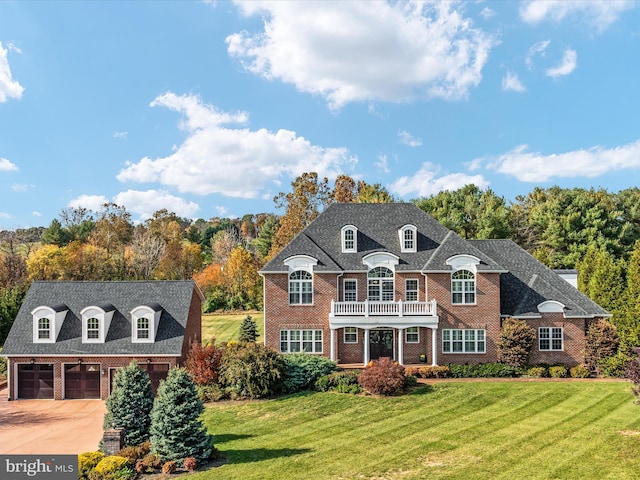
(423, 358)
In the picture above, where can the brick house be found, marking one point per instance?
(69, 338)
(365, 281)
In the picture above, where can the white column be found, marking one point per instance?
(434, 346)
(366, 346)
(401, 346)
(333, 344)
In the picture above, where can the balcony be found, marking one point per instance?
(400, 314)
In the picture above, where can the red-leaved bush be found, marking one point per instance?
(632, 372)
(203, 362)
(383, 377)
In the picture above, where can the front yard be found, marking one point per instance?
(472, 430)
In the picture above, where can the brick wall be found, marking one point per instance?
(573, 330)
(193, 331)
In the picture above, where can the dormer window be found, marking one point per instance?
(144, 323)
(349, 239)
(47, 322)
(408, 239)
(96, 320)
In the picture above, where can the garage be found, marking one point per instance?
(82, 381)
(35, 380)
(156, 372)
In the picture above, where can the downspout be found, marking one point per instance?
(264, 309)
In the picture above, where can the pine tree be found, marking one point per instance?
(516, 342)
(176, 430)
(248, 330)
(130, 403)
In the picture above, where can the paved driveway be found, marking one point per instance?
(50, 426)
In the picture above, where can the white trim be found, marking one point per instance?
(381, 259)
(104, 321)
(300, 262)
(344, 335)
(56, 318)
(145, 311)
(463, 262)
(550, 339)
(417, 290)
(343, 240)
(344, 280)
(401, 231)
(551, 306)
(406, 335)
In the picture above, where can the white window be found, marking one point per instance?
(408, 239)
(308, 341)
(349, 239)
(350, 335)
(44, 328)
(412, 335)
(550, 338)
(143, 328)
(350, 293)
(93, 328)
(411, 290)
(463, 287)
(95, 323)
(144, 322)
(463, 341)
(380, 285)
(300, 288)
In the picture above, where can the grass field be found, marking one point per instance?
(484, 430)
(225, 327)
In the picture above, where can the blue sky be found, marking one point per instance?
(211, 108)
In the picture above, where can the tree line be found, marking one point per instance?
(592, 230)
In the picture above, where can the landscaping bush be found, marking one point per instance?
(190, 464)
(149, 463)
(87, 461)
(516, 342)
(251, 370)
(579, 371)
(135, 453)
(342, 381)
(482, 370)
(601, 343)
(129, 404)
(558, 371)
(176, 429)
(537, 372)
(383, 377)
(410, 381)
(203, 362)
(302, 370)
(614, 365)
(435, 371)
(112, 468)
(210, 393)
(248, 330)
(3, 367)
(169, 467)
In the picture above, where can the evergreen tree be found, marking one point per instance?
(601, 343)
(248, 330)
(516, 342)
(130, 403)
(176, 430)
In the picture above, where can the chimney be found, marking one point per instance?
(570, 276)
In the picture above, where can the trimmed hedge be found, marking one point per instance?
(482, 370)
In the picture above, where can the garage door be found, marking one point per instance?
(157, 372)
(82, 381)
(35, 380)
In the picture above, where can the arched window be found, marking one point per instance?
(463, 287)
(300, 288)
(380, 284)
(143, 328)
(44, 328)
(349, 239)
(408, 238)
(93, 328)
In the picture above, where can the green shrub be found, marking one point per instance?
(87, 461)
(482, 370)
(411, 381)
(537, 372)
(251, 370)
(558, 371)
(302, 370)
(601, 343)
(108, 466)
(248, 330)
(338, 381)
(614, 365)
(352, 389)
(579, 371)
(211, 393)
(383, 377)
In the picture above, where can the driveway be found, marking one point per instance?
(50, 426)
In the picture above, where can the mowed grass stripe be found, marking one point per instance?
(226, 327)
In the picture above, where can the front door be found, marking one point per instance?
(380, 344)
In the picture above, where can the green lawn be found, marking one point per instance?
(225, 327)
(483, 430)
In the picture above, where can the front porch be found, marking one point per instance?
(381, 329)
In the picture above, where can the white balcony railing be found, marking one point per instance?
(391, 309)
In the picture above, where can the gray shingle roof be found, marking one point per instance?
(529, 283)
(173, 296)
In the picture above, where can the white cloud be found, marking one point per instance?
(236, 162)
(362, 51)
(487, 13)
(145, 203)
(511, 82)
(9, 88)
(535, 167)
(382, 163)
(21, 187)
(7, 166)
(534, 50)
(426, 182)
(5, 215)
(120, 134)
(567, 65)
(221, 211)
(407, 139)
(598, 13)
(91, 202)
(36, 214)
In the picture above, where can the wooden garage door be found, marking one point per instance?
(157, 372)
(35, 381)
(82, 381)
